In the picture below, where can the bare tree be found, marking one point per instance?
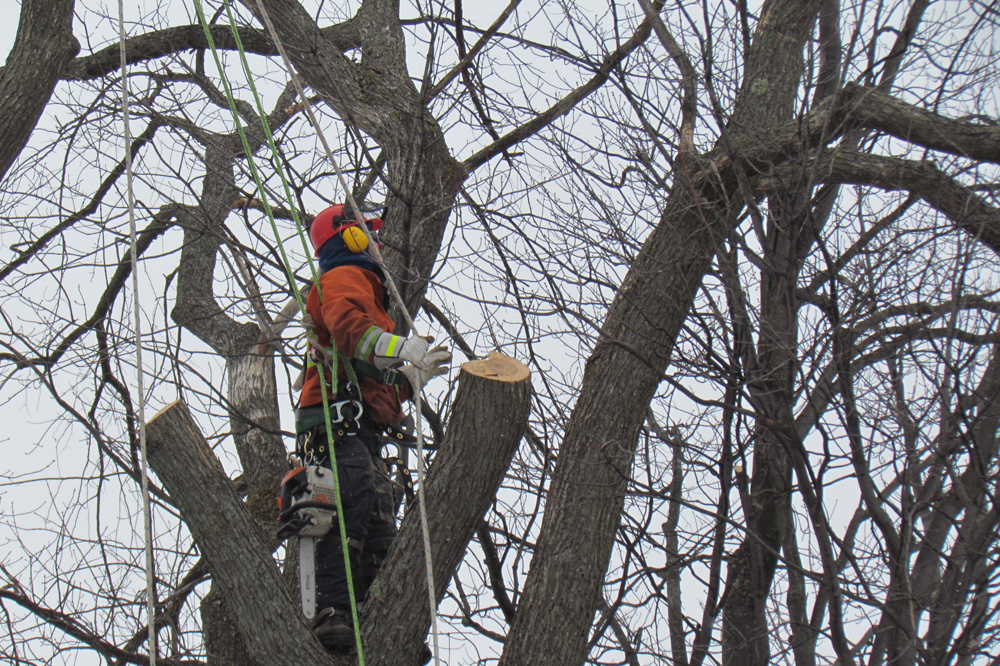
(747, 252)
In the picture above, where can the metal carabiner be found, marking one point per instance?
(305, 451)
(355, 405)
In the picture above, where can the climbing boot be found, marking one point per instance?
(334, 630)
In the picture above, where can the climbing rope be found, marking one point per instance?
(390, 283)
(147, 517)
(288, 271)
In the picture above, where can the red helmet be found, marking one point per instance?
(331, 221)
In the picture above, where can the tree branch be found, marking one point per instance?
(480, 44)
(488, 420)
(92, 205)
(563, 106)
(966, 209)
(230, 540)
(72, 627)
(874, 109)
(174, 40)
(145, 238)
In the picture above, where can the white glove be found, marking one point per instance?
(391, 349)
(435, 362)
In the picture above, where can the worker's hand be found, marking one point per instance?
(435, 362)
(414, 349)
(318, 355)
(307, 322)
(439, 357)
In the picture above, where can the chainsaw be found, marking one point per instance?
(307, 510)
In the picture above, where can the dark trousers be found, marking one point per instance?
(368, 499)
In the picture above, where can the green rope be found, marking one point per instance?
(288, 271)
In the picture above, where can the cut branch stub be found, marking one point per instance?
(489, 417)
(230, 540)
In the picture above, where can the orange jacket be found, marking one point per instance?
(352, 312)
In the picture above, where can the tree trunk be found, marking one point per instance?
(253, 416)
(44, 46)
(583, 509)
(771, 382)
(224, 646)
(488, 419)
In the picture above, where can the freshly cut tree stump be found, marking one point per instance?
(487, 422)
(231, 541)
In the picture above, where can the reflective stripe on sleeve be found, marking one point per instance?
(367, 343)
(388, 345)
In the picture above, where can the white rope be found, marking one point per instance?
(390, 283)
(147, 519)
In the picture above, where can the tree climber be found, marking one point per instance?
(354, 334)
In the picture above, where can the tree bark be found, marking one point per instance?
(44, 45)
(167, 42)
(231, 541)
(488, 419)
(223, 645)
(256, 426)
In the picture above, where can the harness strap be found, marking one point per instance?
(311, 421)
(396, 435)
(352, 376)
(390, 376)
(343, 411)
(356, 366)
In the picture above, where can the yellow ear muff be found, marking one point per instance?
(355, 239)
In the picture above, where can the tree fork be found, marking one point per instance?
(488, 419)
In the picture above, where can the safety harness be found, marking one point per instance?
(307, 505)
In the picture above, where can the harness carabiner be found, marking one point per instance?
(346, 410)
